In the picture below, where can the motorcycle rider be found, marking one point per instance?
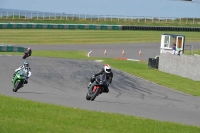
(109, 76)
(28, 51)
(27, 70)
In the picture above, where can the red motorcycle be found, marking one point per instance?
(97, 87)
(25, 55)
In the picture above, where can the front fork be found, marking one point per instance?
(91, 86)
(14, 80)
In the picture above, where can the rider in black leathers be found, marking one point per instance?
(109, 76)
(28, 51)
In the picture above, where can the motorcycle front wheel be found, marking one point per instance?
(88, 96)
(17, 86)
(94, 94)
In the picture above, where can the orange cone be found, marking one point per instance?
(105, 52)
(140, 52)
(123, 52)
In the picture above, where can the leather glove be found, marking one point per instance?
(93, 76)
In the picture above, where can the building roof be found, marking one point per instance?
(173, 35)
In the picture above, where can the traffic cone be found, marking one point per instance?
(123, 52)
(105, 52)
(140, 52)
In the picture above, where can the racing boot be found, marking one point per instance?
(26, 81)
(106, 90)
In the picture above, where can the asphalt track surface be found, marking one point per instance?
(64, 81)
(148, 50)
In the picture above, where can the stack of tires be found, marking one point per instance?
(153, 62)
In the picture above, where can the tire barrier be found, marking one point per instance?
(153, 63)
(161, 28)
(58, 26)
(7, 48)
(94, 27)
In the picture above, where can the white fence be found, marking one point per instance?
(90, 17)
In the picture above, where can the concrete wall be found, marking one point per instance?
(184, 65)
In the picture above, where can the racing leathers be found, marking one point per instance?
(27, 71)
(28, 51)
(109, 77)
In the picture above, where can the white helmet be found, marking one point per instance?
(107, 68)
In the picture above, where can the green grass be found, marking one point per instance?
(25, 116)
(61, 54)
(194, 52)
(72, 54)
(44, 36)
(11, 53)
(108, 22)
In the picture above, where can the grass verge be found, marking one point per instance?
(18, 115)
(49, 36)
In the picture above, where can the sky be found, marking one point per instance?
(151, 8)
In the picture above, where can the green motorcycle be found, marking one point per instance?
(18, 80)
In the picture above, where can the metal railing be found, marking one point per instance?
(114, 18)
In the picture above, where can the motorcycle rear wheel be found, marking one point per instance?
(24, 57)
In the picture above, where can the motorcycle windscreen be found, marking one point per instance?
(101, 79)
(22, 73)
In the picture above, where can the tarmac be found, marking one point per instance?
(64, 82)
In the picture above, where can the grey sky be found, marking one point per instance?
(157, 8)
